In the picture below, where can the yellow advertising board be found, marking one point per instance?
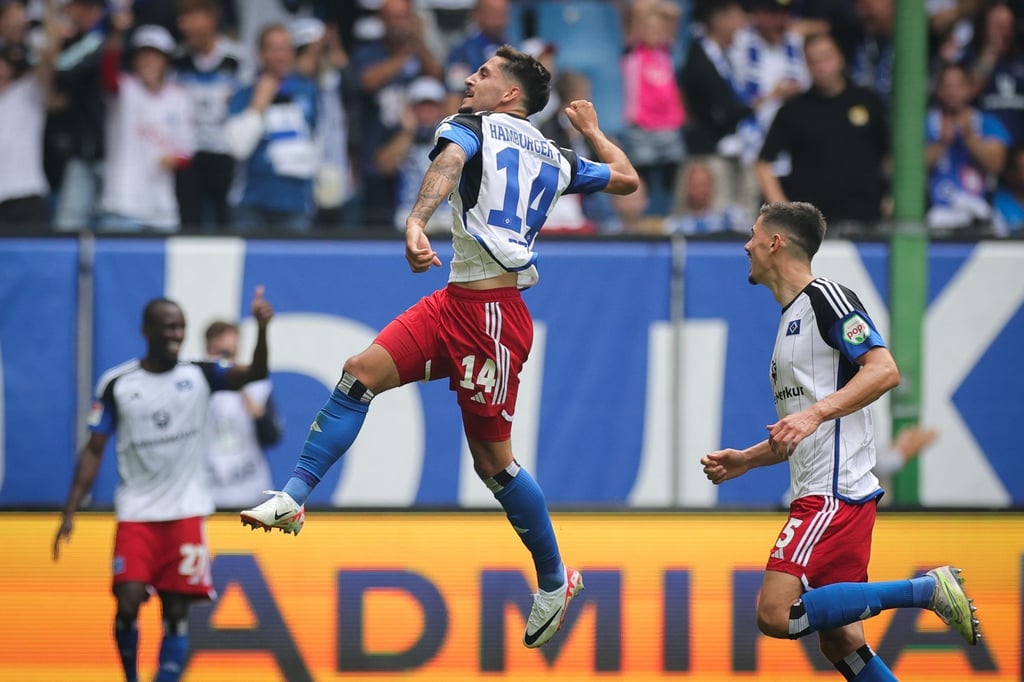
(442, 597)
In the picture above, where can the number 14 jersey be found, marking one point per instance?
(512, 178)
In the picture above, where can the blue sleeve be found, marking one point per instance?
(216, 374)
(854, 335)
(239, 101)
(453, 131)
(590, 177)
(992, 127)
(103, 414)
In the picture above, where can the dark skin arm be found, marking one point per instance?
(240, 375)
(81, 483)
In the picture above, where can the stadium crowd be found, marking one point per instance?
(286, 116)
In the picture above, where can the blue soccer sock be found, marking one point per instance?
(126, 634)
(333, 431)
(864, 665)
(523, 502)
(833, 606)
(173, 651)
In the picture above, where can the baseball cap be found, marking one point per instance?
(306, 30)
(537, 47)
(153, 37)
(425, 89)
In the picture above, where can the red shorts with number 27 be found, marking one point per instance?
(825, 541)
(169, 555)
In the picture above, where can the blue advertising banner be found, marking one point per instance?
(617, 404)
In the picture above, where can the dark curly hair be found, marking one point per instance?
(532, 77)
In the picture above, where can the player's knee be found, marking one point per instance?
(836, 644)
(773, 622)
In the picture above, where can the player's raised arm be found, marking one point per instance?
(240, 375)
(624, 178)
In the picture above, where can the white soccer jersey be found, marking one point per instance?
(821, 335)
(512, 178)
(159, 420)
(142, 127)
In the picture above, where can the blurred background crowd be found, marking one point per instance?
(292, 116)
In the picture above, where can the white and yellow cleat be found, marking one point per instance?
(280, 511)
(950, 603)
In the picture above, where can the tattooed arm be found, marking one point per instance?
(441, 178)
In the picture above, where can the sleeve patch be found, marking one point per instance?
(856, 330)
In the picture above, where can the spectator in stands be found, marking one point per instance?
(873, 54)
(207, 67)
(631, 215)
(406, 156)
(74, 130)
(24, 90)
(240, 425)
(270, 130)
(320, 57)
(385, 68)
(998, 69)
(836, 140)
(714, 105)
(965, 148)
(487, 31)
(699, 212)
(13, 23)
(653, 110)
(768, 60)
(149, 132)
(1008, 220)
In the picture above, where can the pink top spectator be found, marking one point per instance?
(652, 99)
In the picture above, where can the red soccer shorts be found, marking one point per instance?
(825, 541)
(479, 340)
(169, 555)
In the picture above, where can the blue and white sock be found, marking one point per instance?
(833, 606)
(126, 634)
(333, 431)
(864, 665)
(523, 502)
(173, 651)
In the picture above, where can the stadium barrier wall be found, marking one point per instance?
(443, 597)
(637, 381)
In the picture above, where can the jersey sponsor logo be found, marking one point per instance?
(856, 330)
(789, 392)
(793, 329)
(161, 419)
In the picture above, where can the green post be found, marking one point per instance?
(908, 255)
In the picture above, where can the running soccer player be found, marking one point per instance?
(829, 364)
(502, 178)
(157, 406)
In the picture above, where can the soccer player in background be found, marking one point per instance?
(829, 364)
(502, 178)
(158, 406)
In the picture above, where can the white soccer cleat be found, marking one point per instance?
(280, 511)
(950, 603)
(548, 610)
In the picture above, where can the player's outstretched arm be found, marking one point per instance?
(81, 482)
(723, 465)
(240, 375)
(440, 180)
(624, 178)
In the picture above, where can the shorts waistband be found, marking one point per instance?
(499, 294)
